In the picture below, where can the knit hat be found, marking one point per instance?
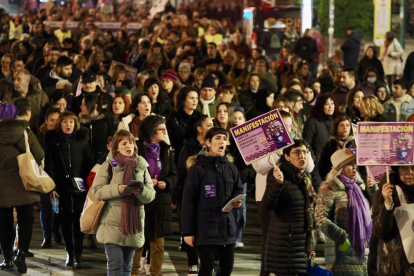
(122, 90)
(342, 157)
(208, 81)
(169, 74)
(185, 64)
(8, 111)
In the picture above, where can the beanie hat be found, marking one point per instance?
(150, 82)
(169, 74)
(8, 111)
(208, 81)
(185, 64)
(122, 90)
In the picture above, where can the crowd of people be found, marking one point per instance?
(168, 128)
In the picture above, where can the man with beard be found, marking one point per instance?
(62, 71)
(24, 89)
(90, 86)
(7, 83)
(42, 72)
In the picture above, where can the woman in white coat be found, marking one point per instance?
(262, 168)
(391, 58)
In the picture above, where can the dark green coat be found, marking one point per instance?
(12, 191)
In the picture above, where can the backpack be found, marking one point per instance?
(275, 42)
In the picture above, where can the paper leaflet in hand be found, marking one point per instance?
(229, 205)
(133, 185)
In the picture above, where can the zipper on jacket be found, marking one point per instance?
(70, 167)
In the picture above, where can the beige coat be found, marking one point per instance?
(393, 65)
(109, 229)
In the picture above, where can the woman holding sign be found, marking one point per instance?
(392, 252)
(212, 181)
(342, 213)
(69, 157)
(290, 198)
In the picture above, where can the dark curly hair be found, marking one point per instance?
(182, 95)
(149, 127)
(317, 110)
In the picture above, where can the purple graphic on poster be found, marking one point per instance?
(378, 172)
(382, 144)
(261, 136)
(130, 74)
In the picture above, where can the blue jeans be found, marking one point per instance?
(46, 215)
(241, 216)
(119, 259)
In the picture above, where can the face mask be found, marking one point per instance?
(372, 79)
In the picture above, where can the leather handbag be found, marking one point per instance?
(92, 210)
(33, 176)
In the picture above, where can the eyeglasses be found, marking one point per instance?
(299, 152)
(164, 130)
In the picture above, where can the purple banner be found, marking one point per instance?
(261, 136)
(381, 144)
(113, 26)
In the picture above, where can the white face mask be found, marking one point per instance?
(372, 79)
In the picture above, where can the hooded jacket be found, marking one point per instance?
(12, 191)
(78, 159)
(211, 182)
(351, 49)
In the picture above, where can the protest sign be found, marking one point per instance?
(378, 172)
(130, 75)
(355, 131)
(261, 136)
(383, 144)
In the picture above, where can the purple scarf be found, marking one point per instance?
(359, 220)
(152, 155)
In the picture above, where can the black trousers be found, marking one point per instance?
(192, 255)
(71, 231)
(25, 219)
(207, 255)
(264, 217)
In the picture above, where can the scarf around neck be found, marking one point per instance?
(359, 225)
(130, 214)
(68, 137)
(205, 103)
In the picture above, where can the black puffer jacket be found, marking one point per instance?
(211, 182)
(78, 158)
(158, 213)
(177, 129)
(99, 130)
(292, 220)
(190, 148)
(390, 256)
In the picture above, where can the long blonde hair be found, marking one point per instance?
(372, 107)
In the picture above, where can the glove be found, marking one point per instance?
(345, 246)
